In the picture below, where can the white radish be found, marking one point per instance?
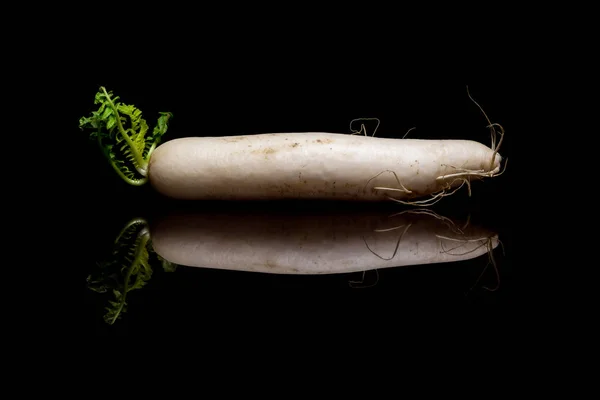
(316, 242)
(315, 165)
(301, 165)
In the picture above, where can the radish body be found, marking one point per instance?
(315, 242)
(312, 165)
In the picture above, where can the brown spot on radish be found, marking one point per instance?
(294, 144)
(266, 151)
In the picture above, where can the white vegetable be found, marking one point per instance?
(317, 165)
(271, 166)
(316, 242)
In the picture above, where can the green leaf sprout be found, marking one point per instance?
(123, 135)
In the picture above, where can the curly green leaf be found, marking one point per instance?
(123, 136)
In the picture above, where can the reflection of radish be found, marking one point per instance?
(310, 165)
(315, 242)
(299, 242)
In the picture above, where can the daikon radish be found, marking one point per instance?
(292, 165)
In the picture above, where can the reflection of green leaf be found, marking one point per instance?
(168, 266)
(137, 272)
(96, 284)
(127, 268)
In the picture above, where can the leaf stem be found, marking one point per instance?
(151, 149)
(141, 166)
(134, 182)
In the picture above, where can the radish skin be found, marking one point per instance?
(315, 165)
(316, 242)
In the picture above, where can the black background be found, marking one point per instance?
(256, 81)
